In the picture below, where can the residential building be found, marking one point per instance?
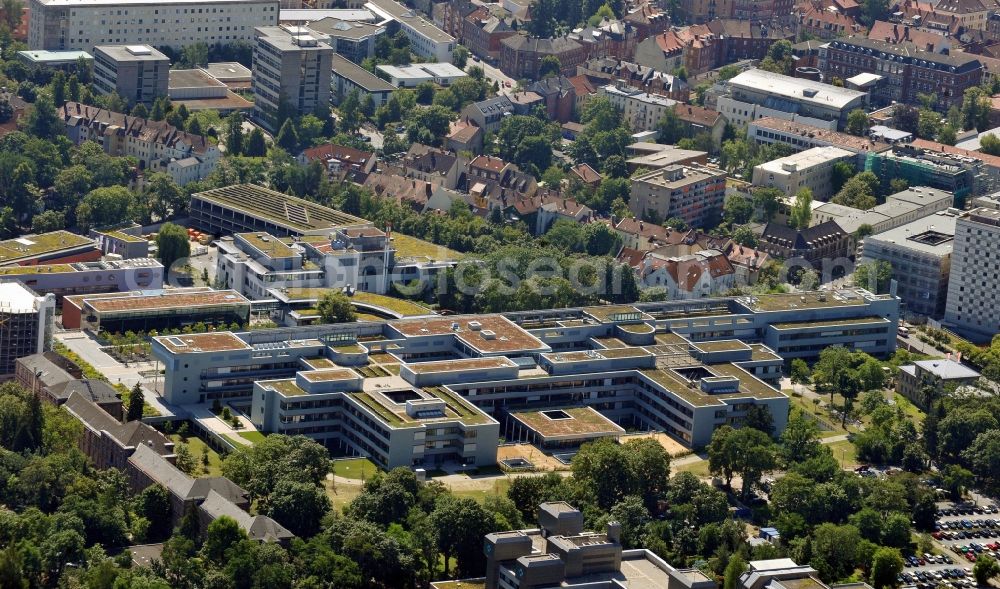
(906, 70)
(118, 312)
(920, 255)
(641, 110)
(456, 372)
(25, 324)
(158, 146)
(488, 114)
(691, 193)
(73, 278)
(972, 285)
(248, 208)
(559, 96)
(291, 73)
(355, 40)
(348, 77)
(647, 19)
(426, 39)
(138, 73)
(434, 165)
(341, 162)
(825, 22)
(585, 174)
(895, 33)
(525, 102)
(74, 25)
(696, 274)
(410, 76)
(801, 136)
(521, 56)
(698, 120)
(610, 37)
(464, 135)
(703, 47)
(925, 381)
(482, 32)
(811, 169)
(56, 379)
(56, 247)
(554, 208)
(755, 94)
(638, 76)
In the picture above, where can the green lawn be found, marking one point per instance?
(197, 447)
(355, 468)
(253, 437)
(911, 410)
(408, 247)
(845, 452)
(699, 469)
(499, 487)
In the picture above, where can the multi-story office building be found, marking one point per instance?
(81, 25)
(684, 368)
(157, 145)
(801, 136)
(905, 70)
(692, 193)
(291, 73)
(56, 247)
(253, 263)
(962, 176)
(138, 73)
(973, 283)
(348, 77)
(247, 207)
(118, 312)
(559, 553)
(811, 169)
(87, 277)
(641, 110)
(920, 256)
(755, 94)
(25, 324)
(426, 39)
(354, 40)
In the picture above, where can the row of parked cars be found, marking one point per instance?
(967, 510)
(934, 576)
(974, 550)
(926, 559)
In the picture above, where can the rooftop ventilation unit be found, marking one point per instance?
(488, 335)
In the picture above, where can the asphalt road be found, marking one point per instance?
(493, 74)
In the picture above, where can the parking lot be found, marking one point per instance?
(962, 534)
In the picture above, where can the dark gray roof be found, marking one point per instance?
(781, 234)
(131, 434)
(54, 368)
(258, 527)
(553, 46)
(97, 391)
(490, 105)
(161, 471)
(355, 73)
(909, 53)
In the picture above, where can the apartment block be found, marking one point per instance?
(811, 169)
(972, 308)
(641, 110)
(74, 25)
(920, 255)
(291, 73)
(488, 114)
(355, 40)
(157, 145)
(692, 193)
(25, 324)
(138, 73)
(801, 136)
(521, 56)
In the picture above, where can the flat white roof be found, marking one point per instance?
(314, 14)
(16, 298)
(947, 369)
(421, 71)
(916, 235)
(89, 3)
(806, 159)
(799, 89)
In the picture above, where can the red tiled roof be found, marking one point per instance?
(586, 173)
(896, 33)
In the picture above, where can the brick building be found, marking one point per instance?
(521, 56)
